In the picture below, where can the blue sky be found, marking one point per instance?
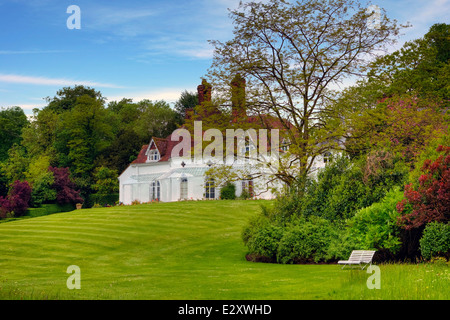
(134, 49)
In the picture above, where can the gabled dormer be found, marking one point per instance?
(152, 153)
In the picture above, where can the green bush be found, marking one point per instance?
(306, 241)
(375, 227)
(262, 238)
(104, 199)
(228, 191)
(46, 209)
(435, 241)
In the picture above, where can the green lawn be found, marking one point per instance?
(185, 250)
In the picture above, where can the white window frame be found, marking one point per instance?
(153, 155)
(210, 189)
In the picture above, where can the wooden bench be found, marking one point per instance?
(361, 258)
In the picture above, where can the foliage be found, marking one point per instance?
(16, 165)
(430, 201)
(435, 241)
(156, 119)
(12, 122)
(105, 199)
(410, 123)
(64, 186)
(105, 180)
(306, 241)
(67, 97)
(42, 191)
(345, 186)
(40, 136)
(290, 55)
(419, 68)
(430, 152)
(17, 200)
(187, 101)
(375, 227)
(262, 238)
(228, 191)
(83, 134)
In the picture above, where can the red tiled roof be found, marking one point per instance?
(166, 145)
(142, 157)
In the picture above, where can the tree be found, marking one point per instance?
(83, 133)
(64, 186)
(420, 68)
(187, 101)
(40, 180)
(17, 201)
(105, 181)
(16, 165)
(39, 137)
(12, 121)
(409, 124)
(157, 119)
(291, 55)
(67, 97)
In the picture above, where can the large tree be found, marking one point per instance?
(12, 121)
(291, 56)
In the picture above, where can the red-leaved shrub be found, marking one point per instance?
(431, 201)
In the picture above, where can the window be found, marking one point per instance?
(155, 190)
(153, 155)
(327, 157)
(285, 145)
(183, 188)
(247, 188)
(210, 189)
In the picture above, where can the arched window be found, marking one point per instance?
(183, 188)
(210, 189)
(155, 190)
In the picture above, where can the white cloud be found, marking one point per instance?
(5, 52)
(44, 81)
(169, 95)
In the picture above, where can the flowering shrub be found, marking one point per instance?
(431, 201)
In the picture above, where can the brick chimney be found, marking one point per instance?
(204, 92)
(238, 98)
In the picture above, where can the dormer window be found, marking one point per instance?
(327, 157)
(285, 144)
(153, 155)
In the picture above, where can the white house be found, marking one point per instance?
(156, 175)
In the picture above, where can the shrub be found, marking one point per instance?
(105, 199)
(345, 186)
(262, 239)
(228, 191)
(306, 241)
(17, 201)
(430, 201)
(435, 241)
(375, 227)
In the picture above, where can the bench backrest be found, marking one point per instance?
(361, 256)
